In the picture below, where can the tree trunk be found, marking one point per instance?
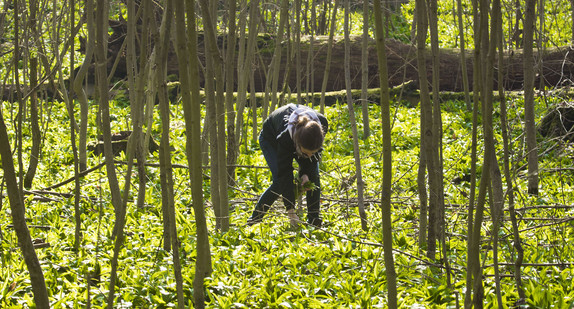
(472, 247)
(482, 43)
(296, 25)
(438, 189)
(19, 221)
(101, 40)
(387, 162)
(166, 170)
(232, 148)
(464, 70)
(137, 81)
(497, 197)
(426, 127)
(20, 100)
(529, 110)
(187, 60)
(71, 113)
(274, 68)
(244, 71)
(214, 94)
(365, 72)
(350, 106)
(78, 82)
(327, 70)
(509, 185)
(309, 67)
(35, 152)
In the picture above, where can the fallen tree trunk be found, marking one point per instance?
(556, 65)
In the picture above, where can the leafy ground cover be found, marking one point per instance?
(275, 266)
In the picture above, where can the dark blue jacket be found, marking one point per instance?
(274, 131)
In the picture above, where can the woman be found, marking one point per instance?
(292, 132)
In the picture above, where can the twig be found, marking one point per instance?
(534, 264)
(545, 207)
(81, 174)
(42, 227)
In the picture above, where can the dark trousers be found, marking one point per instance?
(272, 193)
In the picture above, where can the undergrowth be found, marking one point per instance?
(271, 265)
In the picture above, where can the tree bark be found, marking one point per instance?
(230, 55)
(214, 93)
(427, 132)
(244, 67)
(166, 169)
(78, 82)
(463, 65)
(472, 247)
(351, 109)
(186, 44)
(438, 174)
(327, 70)
(365, 72)
(497, 195)
(275, 66)
(19, 221)
(529, 110)
(35, 152)
(387, 162)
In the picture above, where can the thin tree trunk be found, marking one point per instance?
(189, 78)
(496, 208)
(70, 109)
(101, 26)
(244, 71)
(69, 101)
(166, 169)
(423, 197)
(137, 78)
(309, 67)
(508, 176)
(232, 148)
(79, 80)
(464, 69)
(472, 247)
(21, 105)
(166, 173)
(19, 221)
(35, 152)
(436, 174)
(427, 126)
(101, 39)
(329, 55)
(297, 50)
(214, 93)
(350, 103)
(211, 123)
(529, 113)
(253, 102)
(485, 181)
(387, 161)
(274, 68)
(541, 47)
(365, 71)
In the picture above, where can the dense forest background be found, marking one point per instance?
(130, 162)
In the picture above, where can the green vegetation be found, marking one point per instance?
(557, 29)
(270, 264)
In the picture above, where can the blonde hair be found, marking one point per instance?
(308, 133)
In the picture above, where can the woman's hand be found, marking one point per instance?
(304, 180)
(293, 218)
